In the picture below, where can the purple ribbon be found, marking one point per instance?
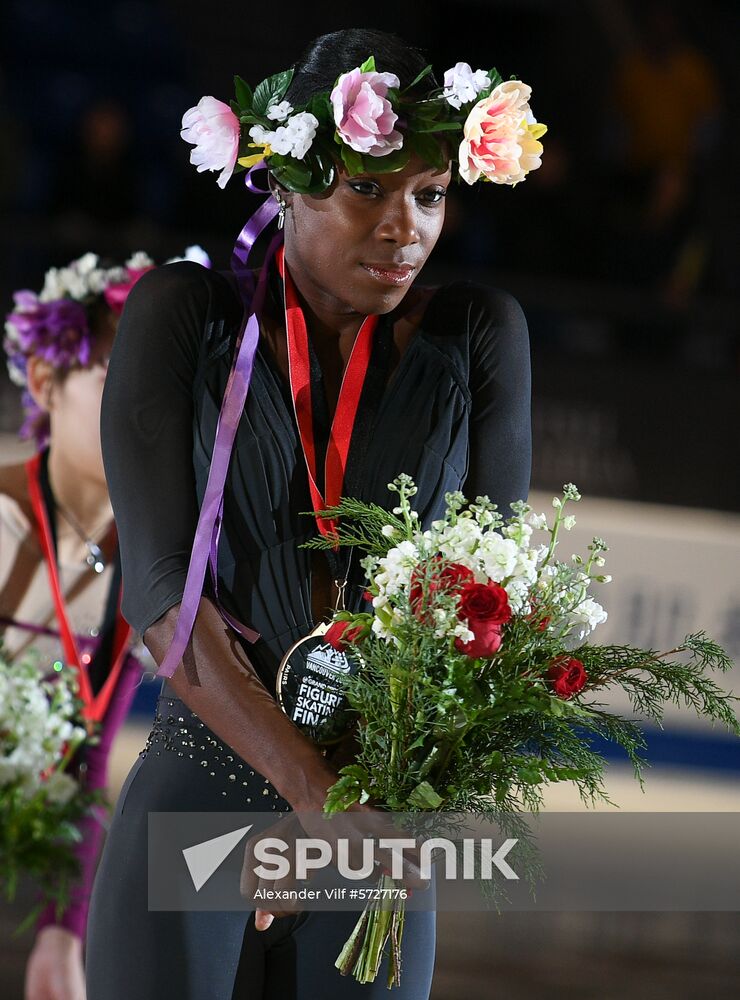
(42, 629)
(207, 534)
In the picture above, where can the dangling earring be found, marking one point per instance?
(281, 213)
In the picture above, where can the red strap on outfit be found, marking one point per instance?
(299, 370)
(95, 706)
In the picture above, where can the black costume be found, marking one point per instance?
(455, 415)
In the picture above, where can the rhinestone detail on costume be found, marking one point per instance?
(181, 734)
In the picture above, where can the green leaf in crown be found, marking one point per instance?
(271, 91)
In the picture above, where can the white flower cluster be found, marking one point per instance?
(36, 721)
(84, 277)
(502, 553)
(294, 138)
(462, 84)
(194, 253)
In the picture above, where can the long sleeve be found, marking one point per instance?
(147, 433)
(500, 385)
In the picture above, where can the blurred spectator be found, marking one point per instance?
(96, 183)
(666, 101)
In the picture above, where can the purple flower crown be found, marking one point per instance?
(55, 323)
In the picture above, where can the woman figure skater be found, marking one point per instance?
(443, 395)
(60, 574)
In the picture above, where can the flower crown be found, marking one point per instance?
(55, 323)
(371, 125)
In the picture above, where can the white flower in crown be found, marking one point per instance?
(87, 263)
(279, 112)
(194, 253)
(294, 138)
(54, 287)
(83, 277)
(75, 284)
(462, 84)
(139, 260)
(115, 276)
(98, 280)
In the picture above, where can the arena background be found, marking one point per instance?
(622, 250)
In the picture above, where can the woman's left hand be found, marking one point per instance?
(54, 970)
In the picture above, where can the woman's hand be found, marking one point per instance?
(287, 828)
(54, 970)
(351, 825)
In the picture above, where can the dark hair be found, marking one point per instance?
(328, 56)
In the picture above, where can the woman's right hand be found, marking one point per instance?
(357, 822)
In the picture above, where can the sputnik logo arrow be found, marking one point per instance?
(203, 859)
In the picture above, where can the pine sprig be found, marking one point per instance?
(624, 732)
(359, 524)
(651, 681)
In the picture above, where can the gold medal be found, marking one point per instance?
(309, 687)
(309, 684)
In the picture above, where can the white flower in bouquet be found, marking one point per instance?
(498, 556)
(40, 804)
(36, 723)
(396, 567)
(459, 541)
(537, 521)
(586, 616)
(60, 788)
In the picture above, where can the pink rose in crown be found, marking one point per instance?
(213, 128)
(500, 137)
(363, 114)
(116, 295)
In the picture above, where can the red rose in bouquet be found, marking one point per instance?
(451, 578)
(567, 676)
(340, 633)
(485, 602)
(486, 641)
(485, 607)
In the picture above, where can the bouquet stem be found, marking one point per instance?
(381, 921)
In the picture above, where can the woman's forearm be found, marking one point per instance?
(219, 684)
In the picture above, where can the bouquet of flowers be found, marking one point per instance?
(476, 686)
(40, 804)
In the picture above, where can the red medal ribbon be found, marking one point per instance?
(343, 421)
(96, 706)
